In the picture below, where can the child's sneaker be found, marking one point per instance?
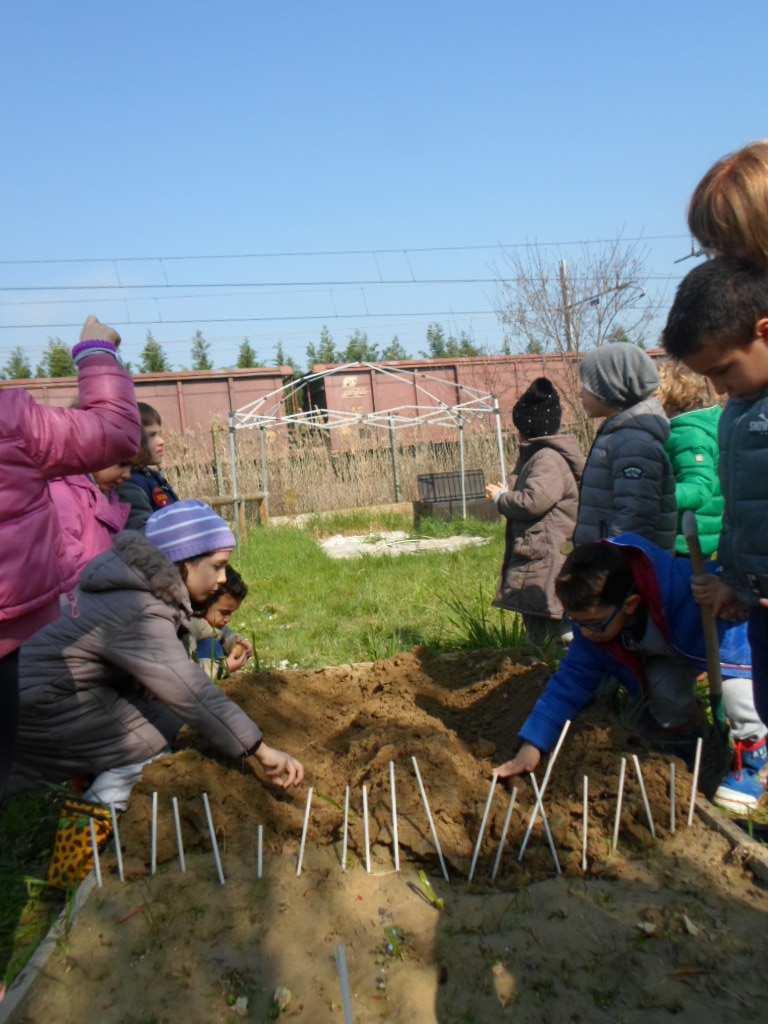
(742, 789)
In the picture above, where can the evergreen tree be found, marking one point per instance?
(282, 359)
(534, 347)
(17, 367)
(359, 349)
(394, 350)
(436, 346)
(325, 352)
(201, 352)
(441, 347)
(56, 361)
(246, 357)
(153, 358)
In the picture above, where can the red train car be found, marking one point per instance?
(186, 401)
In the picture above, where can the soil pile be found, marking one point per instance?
(459, 715)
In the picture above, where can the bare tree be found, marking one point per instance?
(552, 308)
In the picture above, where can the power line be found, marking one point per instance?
(267, 319)
(359, 283)
(342, 252)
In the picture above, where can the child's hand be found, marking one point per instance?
(236, 660)
(282, 769)
(525, 760)
(492, 491)
(711, 592)
(95, 330)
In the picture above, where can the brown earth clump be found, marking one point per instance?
(459, 715)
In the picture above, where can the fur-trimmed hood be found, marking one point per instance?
(135, 564)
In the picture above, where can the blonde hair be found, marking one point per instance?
(682, 390)
(728, 212)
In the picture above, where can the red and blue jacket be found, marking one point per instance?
(664, 583)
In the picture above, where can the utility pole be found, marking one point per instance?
(566, 308)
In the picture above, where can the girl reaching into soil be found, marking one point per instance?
(105, 692)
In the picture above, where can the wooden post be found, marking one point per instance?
(461, 470)
(216, 463)
(264, 507)
(233, 460)
(393, 457)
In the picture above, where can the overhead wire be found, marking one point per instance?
(371, 251)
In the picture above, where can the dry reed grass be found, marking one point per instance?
(306, 476)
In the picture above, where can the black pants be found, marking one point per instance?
(9, 714)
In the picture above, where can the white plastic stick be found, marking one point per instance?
(545, 823)
(366, 831)
(435, 838)
(584, 826)
(649, 816)
(118, 847)
(503, 840)
(214, 842)
(672, 797)
(95, 849)
(153, 837)
(259, 851)
(619, 799)
(346, 995)
(179, 840)
(544, 784)
(345, 835)
(304, 831)
(483, 823)
(393, 796)
(695, 781)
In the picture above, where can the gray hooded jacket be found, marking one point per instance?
(112, 685)
(628, 485)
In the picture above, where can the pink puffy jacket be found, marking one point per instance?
(89, 521)
(38, 443)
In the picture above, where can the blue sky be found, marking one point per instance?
(191, 129)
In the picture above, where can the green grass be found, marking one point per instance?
(310, 610)
(27, 906)
(305, 609)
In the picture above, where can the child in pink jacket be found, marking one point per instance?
(38, 443)
(90, 514)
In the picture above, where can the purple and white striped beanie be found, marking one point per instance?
(187, 529)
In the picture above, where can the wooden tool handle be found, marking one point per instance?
(708, 622)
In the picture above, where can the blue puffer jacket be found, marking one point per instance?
(665, 584)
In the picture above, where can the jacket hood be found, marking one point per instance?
(647, 415)
(703, 419)
(564, 444)
(135, 564)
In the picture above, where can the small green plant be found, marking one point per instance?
(477, 625)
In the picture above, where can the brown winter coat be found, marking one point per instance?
(540, 508)
(112, 685)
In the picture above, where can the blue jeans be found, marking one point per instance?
(757, 631)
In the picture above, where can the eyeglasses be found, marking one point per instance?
(599, 627)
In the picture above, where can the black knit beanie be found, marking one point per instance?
(537, 412)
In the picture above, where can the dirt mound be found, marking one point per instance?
(459, 715)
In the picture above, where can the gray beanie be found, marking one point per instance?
(619, 374)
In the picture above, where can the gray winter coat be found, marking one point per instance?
(540, 509)
(111, 686)
(628, 484)
(743, 438)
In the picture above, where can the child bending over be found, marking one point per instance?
(634, 619)
(218, 650)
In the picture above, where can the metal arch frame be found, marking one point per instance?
(264, 416)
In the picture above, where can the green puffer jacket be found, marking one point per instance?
(694, 453)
